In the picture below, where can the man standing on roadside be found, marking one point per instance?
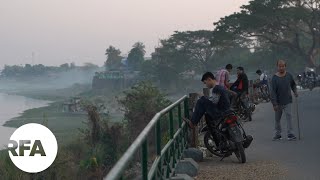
(281, 85)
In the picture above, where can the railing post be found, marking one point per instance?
(158, 148)
(206, 92)
(179, 115)
(171, 124)
(192, 101)
(158, 138)
(172, 151)
(186, 108)
(145, 160)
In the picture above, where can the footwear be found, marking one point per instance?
(292, 137)
(276, 138)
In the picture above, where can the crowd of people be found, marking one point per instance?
(226, 95)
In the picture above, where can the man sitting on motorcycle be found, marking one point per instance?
(240, 87)
(262, 77)
(263, 82)
(214, 106)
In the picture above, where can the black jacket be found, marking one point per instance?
(242, 78)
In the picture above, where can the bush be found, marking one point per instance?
(140, 104)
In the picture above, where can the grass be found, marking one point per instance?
(54, 94)
(77, 158)
(64, 125)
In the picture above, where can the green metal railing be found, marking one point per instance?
(166, 157)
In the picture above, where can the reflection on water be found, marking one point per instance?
(11, 106)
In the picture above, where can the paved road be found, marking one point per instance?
(300, 159)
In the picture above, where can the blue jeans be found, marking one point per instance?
(204, 105)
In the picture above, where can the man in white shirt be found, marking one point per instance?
(263, 77)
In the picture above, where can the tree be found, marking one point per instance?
(136, 55)
(12, 71)
(72, 65)
(113, 58)
(140, 104)
(39, 69)
(64, 67)
(290, 24)
(183, 52)
(196, 46)
(166, 65)
(89, 66)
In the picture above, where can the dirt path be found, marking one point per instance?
(229, 169)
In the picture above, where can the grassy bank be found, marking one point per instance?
(53, 94)
(64, 125)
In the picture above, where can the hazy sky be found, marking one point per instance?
(58, 31)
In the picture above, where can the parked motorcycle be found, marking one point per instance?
(308, 83)
(263, 93)
(244, 108)
(226, 136)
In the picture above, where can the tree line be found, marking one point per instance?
(29, 70)
(256, 37)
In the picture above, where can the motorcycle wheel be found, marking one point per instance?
(241, 156)
(210, 144)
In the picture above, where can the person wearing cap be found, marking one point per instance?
(215, 105)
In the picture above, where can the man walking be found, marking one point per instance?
(281, 98)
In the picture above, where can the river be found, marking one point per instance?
(12, 106)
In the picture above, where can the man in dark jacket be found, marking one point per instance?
(281, 86)
(215, 105)
(241, 86)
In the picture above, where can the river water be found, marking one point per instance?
(12, 106)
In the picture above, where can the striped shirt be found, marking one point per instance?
(222, 77)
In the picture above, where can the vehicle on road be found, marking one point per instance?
(226, 136)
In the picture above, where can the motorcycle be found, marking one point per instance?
(263, 93)
(244, 108)
(226, 137)
(310, 84)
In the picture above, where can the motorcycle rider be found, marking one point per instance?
(240, 87)
(215, 105)
(263, 78)
(263, 82)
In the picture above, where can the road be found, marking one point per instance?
(278, 159)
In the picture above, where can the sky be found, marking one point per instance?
(52, 32)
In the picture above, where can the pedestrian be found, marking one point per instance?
(281, 86)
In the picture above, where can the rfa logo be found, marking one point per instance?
(33, 148)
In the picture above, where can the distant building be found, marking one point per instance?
(114, 79)
(72, 105)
